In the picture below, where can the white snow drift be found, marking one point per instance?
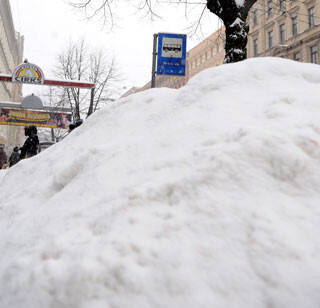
(206, 196)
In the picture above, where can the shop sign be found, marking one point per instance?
(28, 73)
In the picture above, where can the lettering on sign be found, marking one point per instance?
(28, 73)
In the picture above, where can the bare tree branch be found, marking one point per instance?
(231, 12)
(77, 62)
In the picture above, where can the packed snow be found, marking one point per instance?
(205, 196)
(239, 3)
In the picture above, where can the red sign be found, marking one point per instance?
(10, 116)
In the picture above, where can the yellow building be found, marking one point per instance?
(288, 29)
(11, 51)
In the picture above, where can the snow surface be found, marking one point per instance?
(239, 3)
(206, 196)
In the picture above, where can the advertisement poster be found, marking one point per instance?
(9, 116)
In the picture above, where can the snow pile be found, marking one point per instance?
(206, 196)
(239, 3)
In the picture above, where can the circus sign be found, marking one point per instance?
(28, 73)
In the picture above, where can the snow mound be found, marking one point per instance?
(206, 196)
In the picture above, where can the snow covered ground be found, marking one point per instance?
(206, 196)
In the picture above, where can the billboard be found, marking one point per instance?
(171, 54)
(10, 116)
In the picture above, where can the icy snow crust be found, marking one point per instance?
(206, 196)
(239, 3)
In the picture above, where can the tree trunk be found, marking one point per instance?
(236, 41)
(90, 109)
(234, 19)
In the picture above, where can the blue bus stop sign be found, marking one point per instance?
(171, 54)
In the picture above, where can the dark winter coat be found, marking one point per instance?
(3, 157)
(30, 147)
(14, 158)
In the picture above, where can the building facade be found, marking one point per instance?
(288, 29)
(209, 53)
(11, 52)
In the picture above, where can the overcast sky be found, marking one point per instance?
(48, 25)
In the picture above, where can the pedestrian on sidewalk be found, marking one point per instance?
(31, 145)
(14, 157)
(3, 156)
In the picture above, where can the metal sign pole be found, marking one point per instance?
(154, 59)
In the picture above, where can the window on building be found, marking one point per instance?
(282, 30)
(211, 50)
(255, 17)
(217, 47)
(269, 8)
(270, 39)
(207, 55)
(295, 25)
(282, 5)
(314, 54)
(255, 47)
(311, 16)
(297, 56)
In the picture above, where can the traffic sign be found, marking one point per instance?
(171, 54)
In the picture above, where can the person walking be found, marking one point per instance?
(14, 157)
(3, 156)
(31, 145)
